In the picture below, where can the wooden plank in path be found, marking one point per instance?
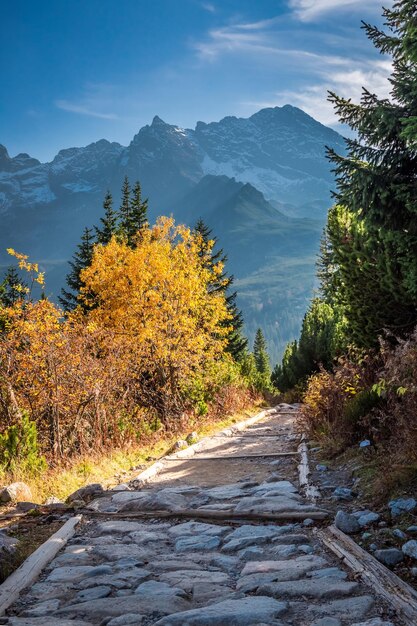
(30, 569)
(395, 591)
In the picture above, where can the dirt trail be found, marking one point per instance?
(121, 571)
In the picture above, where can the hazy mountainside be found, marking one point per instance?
(279, 151)
(271, 255)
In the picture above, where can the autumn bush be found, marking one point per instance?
(336, 403)
(144, 352)
(395, 423)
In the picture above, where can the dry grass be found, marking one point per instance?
(103, 468)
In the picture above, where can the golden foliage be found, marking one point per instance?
(152, 343)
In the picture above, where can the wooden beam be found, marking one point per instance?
(395, 591)
(30, 569)
(312, 493)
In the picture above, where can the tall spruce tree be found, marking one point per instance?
(81, 259)
(373, 230)
(125, 209)
(260, 353)
(139, 210)
(108, 223)
(11, 288)
(237, 343)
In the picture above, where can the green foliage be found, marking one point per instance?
(11, 288)
(321, 339)
(373, 231)
(81, 259)
(126, 223)
(108, 225)
(19, 448)
(237, 343)
(260, 353)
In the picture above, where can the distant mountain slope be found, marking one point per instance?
(279, 152)
(271, 255)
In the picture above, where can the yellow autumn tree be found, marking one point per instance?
(157, 301)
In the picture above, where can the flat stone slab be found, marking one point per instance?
(241, 612)
(319, 589)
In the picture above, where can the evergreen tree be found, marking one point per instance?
(81, 259)
(373, 230)
(108, 225)
(139, 210)
(11, 288)
(237, 343)
(260, 353)
(125, 209)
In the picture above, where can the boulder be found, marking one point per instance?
(402, 505)
(367, 518)
(86, 493)
(15, 492)
(343, 493)
(191, 438)
(389, 556)
(410, 549)
(347, 523)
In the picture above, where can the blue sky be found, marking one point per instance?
(75, 71)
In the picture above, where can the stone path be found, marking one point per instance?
(175, 571)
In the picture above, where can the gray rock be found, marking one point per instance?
(86, 493)
(155, 588)
(192, 438)
(397, 532)
(43, 608)
(53, 500)
(69, 574)
(314, 588)
(321, 468)
(94, 593)
(373, 547)
(328, 572)
(306, 549)
(40, 621)
(131, 619)
(197, 528)
(327, 621)
(412, 530)
(402, 505)
(366, 536)
(308, 522)
(195, 543)
(342, 493)
(346, 523)
(367, 519)
(414, 572)
(410, 548)
(15, 492)
(142, 603)
(7, 544)
(374, 621)
(240, 612)
(347, 608)
(389, 556)
(302, 563)
(180, 445)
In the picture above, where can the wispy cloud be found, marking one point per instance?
(307, 10)
(73, 107)
(208, 6)
(347, 83)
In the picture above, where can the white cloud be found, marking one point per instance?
(73, 107)
(307, 10)
(346, 83)
(208, 6)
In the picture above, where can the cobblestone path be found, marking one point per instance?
(194, 567)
